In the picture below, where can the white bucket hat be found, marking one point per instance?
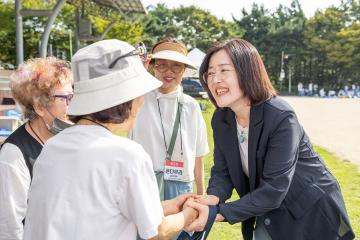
(172, 51)
(106, 74)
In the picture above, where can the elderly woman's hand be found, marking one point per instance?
(186, 204)
(199, 223)
(175, 205)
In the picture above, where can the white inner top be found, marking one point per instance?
(243, 147)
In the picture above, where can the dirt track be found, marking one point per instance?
(331, 123)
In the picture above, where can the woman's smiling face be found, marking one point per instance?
(170, 73)
(222, 80)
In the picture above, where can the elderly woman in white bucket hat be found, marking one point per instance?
(170, 126)
(89, 183)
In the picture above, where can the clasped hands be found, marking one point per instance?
(195, 209)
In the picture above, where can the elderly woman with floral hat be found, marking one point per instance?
(43, 89)
(90, 183)
(170, 126)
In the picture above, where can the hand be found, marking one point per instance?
(146, 61)
(200, 222)
(219, 218)
(175, 205)
(207, 199)
(186, 204)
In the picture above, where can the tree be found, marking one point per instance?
(320, 36)
(199, 28)
(273, 33)
(192, 25)
(7, 33)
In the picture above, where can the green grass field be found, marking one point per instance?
(345, 172)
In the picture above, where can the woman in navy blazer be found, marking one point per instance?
(262, 151)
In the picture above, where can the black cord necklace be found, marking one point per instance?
(38, 137)
(97, 123)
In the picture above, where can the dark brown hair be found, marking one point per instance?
(250, 70)
(118, 114)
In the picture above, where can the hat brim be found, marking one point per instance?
(88, 102)
(174, 56)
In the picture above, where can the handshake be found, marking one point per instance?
(194, 208)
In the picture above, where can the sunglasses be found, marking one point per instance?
(66, 97)
(140, 50)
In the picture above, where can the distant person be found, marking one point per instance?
(310, 89)
(322, 92)
(300, 89)
(341, 93)
(43, 88)
(357, 91)
(90, 183)
(353, 90)
(262, 151)
(170, 126)
(316, 87)
(332, 93)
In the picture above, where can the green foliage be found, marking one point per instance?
(122, 29)
(7, 32)
(199, 28)
(272, 33)
(32, 29)
(323, 49)
(157, 24)
(192, 25)
(59, 39)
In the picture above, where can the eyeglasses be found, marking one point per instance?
(66, 97)
(140, 50)
(223, 73)
(175, 68)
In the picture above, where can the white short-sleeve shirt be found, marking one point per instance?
(91, 184)
(148, 131)
(15, 182)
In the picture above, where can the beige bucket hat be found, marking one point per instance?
(106, 74)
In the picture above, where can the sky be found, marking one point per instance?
(225, 8)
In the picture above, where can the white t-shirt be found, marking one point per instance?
(15, 181)
(19, 149)
(91, 184)
(148, 132)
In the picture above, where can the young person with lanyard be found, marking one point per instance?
(170, 126)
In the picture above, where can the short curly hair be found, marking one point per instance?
(35, 80)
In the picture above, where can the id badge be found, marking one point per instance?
(174, 170)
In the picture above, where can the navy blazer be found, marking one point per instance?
(289, 185)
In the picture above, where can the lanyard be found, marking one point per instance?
(177, 123)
